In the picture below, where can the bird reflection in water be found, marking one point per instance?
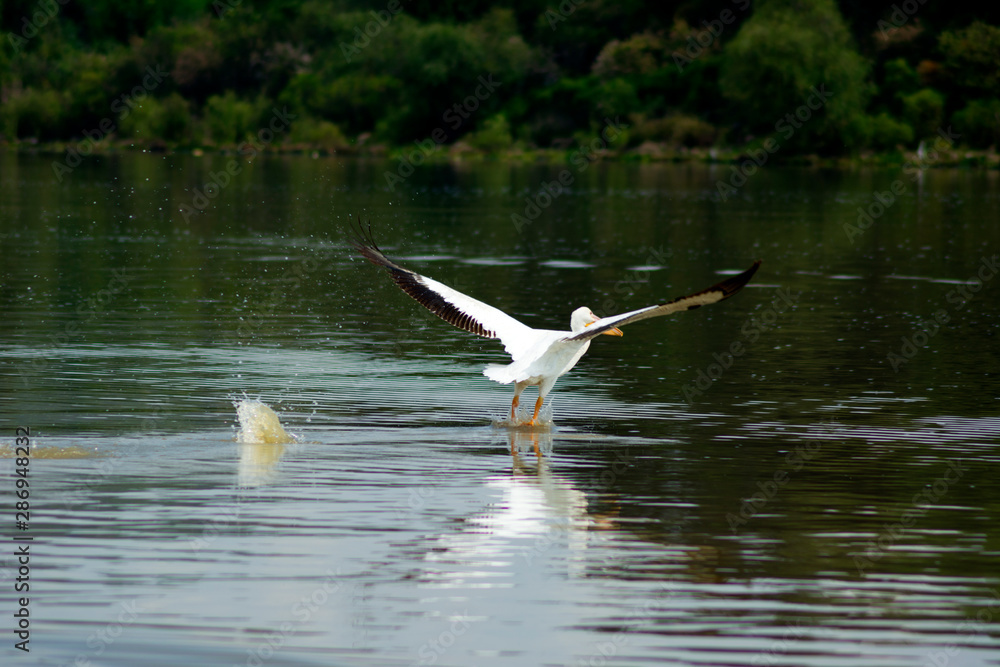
(538, 513)
(551, 507)
(534, 438)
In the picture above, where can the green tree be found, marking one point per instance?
(784, 51)
(155, 120)
(972, 59)
(924, 112)
(493, 137)
(230, 120)
(898, 80)
(886, 132)
(979, 123)
(34, 112)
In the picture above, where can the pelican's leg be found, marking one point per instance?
(543, 390)
(518, 388)
(538, 406)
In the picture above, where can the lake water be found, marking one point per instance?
(827, 496)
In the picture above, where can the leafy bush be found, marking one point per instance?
(168, 119)
(611, 98)
(493, 137)
(780, 53)
(886, 133)
(556, 111)
(105, 20)
(91, 90)
(924, 112)
(353, 101)
(638, 55)
(899, 79)
(972, 58)
(317, 133)
(676, 130)
(979, 123)
(229, 119)
(556, 71)
(33, 113)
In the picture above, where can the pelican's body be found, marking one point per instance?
(551, 355)
(540, 356)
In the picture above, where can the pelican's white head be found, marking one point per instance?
(583, 317)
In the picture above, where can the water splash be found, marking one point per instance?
(259, 424)
(546, 418)
(261, 438)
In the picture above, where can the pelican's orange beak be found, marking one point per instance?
(614, 331)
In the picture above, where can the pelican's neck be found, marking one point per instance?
(579, 320)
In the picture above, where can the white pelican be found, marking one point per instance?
(540, 356)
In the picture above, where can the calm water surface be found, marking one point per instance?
(828, 496)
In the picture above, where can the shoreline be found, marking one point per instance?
(647, 153)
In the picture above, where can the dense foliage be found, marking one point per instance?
(812, 76)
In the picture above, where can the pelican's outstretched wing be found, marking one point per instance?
(451, 305)
(713, 294)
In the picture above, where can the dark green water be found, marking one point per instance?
(828, 496)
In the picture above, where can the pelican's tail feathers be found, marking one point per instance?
(502, 373)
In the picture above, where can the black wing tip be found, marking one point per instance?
(363, 240)
(361, 234)
(413, 283)
(733, 285)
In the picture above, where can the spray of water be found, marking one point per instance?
(259, 425)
